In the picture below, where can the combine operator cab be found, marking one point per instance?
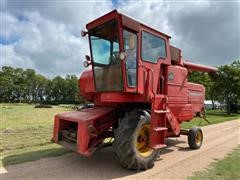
(138, 85)
(123, 52)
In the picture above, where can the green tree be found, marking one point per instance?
(207, 81)
(58, 88)
(18, 90)
(29, 79)
(40, 88)
(6, 83)
(228, 84)
(18, 85)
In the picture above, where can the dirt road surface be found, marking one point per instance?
(177, 161)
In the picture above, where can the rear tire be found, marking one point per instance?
(195, 137)
(131, 129)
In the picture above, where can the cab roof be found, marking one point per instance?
(126, 20)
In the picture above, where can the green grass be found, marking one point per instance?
(227, 168)
(213, 117)
(26, 133)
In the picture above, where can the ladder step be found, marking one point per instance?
(159, 146)
(160, 129)
(161, 111)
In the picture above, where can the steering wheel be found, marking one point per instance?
(114, 59)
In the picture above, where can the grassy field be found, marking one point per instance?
(227, 168)
(213, 117)
(26, 131)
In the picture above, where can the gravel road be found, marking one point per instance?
(177, 161)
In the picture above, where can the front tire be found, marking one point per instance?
(131, 143)
(195, 137)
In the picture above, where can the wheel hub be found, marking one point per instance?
(143, 139)
(198, 137)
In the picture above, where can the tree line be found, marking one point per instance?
(19, 85)
(223, 87)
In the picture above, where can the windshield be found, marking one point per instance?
(105, 56)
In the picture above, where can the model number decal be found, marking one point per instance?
(191, 93)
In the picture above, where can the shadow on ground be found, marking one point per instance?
(101, 165)
(32, 156)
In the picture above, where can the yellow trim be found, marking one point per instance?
(198, 138)
(143, 139)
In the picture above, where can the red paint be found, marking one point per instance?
(84, 118)
(163, 87)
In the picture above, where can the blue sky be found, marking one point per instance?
(45, 35)
(7, 41)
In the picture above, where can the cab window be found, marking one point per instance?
(130, 47)
(153, 47)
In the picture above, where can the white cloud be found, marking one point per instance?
(207, 32)
(11, 58)
(48, 38)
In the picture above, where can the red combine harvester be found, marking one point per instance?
(140, 92)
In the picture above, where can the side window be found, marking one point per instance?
(153, 47)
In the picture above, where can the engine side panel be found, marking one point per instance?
(196, 96)
(177, 92)
(185, 99)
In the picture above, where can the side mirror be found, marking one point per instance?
(84, 33)
(87, 57)
(122, 56)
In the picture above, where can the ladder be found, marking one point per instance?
(159, 112)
